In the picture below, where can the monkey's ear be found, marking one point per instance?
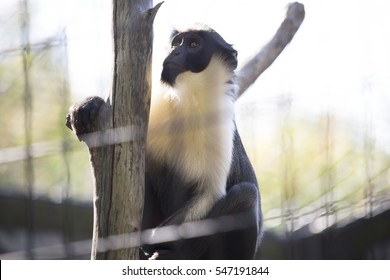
(174, 32)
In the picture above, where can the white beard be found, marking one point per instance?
(191, 129)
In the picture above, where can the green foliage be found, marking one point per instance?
(314, 166)
(59, 167)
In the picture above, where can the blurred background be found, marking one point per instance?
(316, 124)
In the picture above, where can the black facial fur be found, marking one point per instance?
(192, 51)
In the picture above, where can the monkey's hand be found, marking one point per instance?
(87, 116)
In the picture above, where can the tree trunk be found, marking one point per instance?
(117, 146)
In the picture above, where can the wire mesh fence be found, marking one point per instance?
(324, 180)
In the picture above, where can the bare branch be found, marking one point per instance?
(249, 73)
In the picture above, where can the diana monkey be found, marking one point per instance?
(196, 165)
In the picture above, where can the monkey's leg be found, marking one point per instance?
(236, 226)
(241, 209)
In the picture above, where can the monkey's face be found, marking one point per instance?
(188, 53)
(192, 51)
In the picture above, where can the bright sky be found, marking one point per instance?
(339, 60)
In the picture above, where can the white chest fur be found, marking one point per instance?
(191, 129)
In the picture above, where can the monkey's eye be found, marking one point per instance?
(193, 44)
(176, 42)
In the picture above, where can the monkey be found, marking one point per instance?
(196, 166)
(196, 163)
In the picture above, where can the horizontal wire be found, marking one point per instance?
(164, 234)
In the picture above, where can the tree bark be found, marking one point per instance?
(133, 42)
(115, 132)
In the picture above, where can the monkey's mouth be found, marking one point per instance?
(173, 65)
